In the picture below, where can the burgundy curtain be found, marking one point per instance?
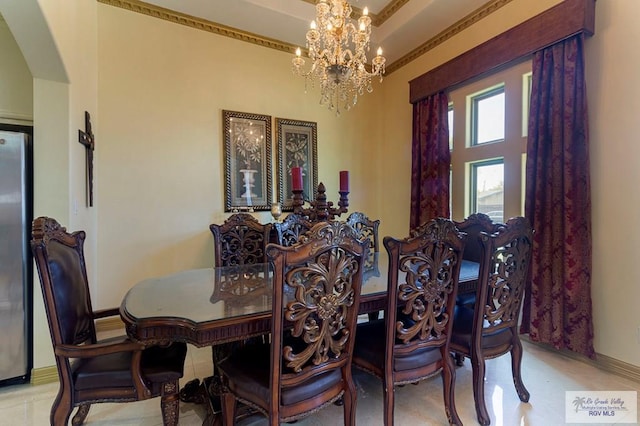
(558, 201)
(431, 160)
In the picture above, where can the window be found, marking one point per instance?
(487, 116)
(487, 195)
(488, 120)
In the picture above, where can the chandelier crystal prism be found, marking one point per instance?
(338, 48)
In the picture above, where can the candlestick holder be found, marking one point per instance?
(320, 209)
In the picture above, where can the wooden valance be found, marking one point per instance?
(564, 20)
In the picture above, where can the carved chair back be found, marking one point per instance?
(503, 276)
(366, 229)
(291, 228)
(240, 240)
(60, 260)
(473, 226)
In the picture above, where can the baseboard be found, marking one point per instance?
(44, 375)
(603, 362)
(109, 324)
(621, 368)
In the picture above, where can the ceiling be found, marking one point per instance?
(404, 29)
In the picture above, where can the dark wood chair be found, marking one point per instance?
(307, 364)
(412, 342)
(240, 240)
(91, 371)
(367, 230)
(489, 329)
(288, 231)
(473, 225)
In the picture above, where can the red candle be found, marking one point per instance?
(296, 178)
(344, 181)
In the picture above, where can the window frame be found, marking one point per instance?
(511, 149)
(473, 101)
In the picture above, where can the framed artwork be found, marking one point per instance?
(297, 147)
(247, 165)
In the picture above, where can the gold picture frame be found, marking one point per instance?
(297, 146)
(247, 153)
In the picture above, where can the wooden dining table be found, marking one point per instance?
(209, 306)
(212, 306)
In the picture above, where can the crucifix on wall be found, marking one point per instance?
(87, 139)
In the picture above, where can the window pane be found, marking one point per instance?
(489, 117)
(488, 181)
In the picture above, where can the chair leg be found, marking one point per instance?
(61, 409)
(459, 359)
(349, 400)
(81, 415)
(516, 364)
(478, 369)
(170, 403)
(448, 385)
(388, 390)
(228, 401)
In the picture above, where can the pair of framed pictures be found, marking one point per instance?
(248, 160)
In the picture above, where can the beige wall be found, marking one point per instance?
(162, 88)
(16, 82)
(158, 99)
(613, 90)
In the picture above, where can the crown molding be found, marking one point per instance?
(200, 24)
(391, 8)
(464, 23)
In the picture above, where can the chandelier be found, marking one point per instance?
(338, 53)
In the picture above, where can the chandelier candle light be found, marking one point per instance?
(338, 53)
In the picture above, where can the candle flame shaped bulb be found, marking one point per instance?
(313, 25)
(298, 52)
(379, 52)
(365, 11)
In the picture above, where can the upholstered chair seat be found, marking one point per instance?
(463, 327)
(158, 365)
(371, 347)
(249, 367)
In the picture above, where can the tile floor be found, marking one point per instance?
(546, 374)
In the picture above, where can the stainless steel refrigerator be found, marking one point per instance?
(16, 268)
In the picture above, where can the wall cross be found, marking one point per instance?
(87, 139)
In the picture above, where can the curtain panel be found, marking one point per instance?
(558, 201)
(431, 160)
